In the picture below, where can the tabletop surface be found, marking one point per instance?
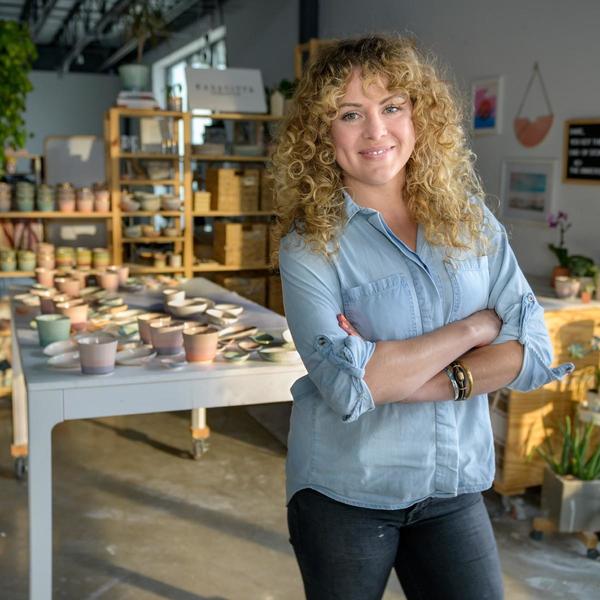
(40, 376)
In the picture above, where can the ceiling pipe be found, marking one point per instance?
(116, 10)
(39, 24)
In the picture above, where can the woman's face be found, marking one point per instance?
(373, 134)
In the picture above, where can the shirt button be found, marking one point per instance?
(530, 297)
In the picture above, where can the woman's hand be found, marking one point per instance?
(486, 326)
(347, 326)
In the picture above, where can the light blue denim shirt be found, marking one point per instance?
(392, 455)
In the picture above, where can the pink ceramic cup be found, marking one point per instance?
(45, 276)
(109, 281)
(167, 338)
(68, 285)
(144, 324)
(200, 344)
(97, 353)
(76, 311)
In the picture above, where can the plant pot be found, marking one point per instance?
(559, 271)
(586, 296)
(134, 77)
(572, 504)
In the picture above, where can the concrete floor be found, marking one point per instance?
(136, 518)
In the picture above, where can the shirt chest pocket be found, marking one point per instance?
(384, 309)
(470, 281)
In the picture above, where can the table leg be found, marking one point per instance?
(200, 432)
(19, 401)
(45, 411)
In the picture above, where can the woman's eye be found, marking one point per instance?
(350, 116)
(392, 108)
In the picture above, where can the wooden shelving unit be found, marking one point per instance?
(16, 274)
(150, 240)
(229, 158)
(211, 267)
(38, 214)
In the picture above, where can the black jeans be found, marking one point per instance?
(440, 548)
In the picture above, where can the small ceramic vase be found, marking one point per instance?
(200, 344)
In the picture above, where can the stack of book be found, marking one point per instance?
(137, 99)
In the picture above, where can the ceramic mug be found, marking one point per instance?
(167, 338)
(200, 343)
(109, 281)
(45, 276)
(76, 311)
(68, 285)
(53, 328)
(144, 324)
(97, 353)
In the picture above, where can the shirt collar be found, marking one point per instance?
(352, 208)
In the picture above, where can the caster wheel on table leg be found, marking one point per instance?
(536, 535)
(592, 553)
(199, 448)
(20, 467)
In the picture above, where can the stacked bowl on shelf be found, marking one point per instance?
(45, 198)
(66, 198)
(25, 194)
(5, 194)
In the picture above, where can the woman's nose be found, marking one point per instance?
(374, 127)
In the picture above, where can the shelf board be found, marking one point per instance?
(142, 269)
(160, 240)
(148, 155)
(149, 213)
(38, 214)
(228, 158)
(209, 267)
(124, 111)
(149, 182)
(223, 213)
(238, 117)
(5, 391)
(16, 274)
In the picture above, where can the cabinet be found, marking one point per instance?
(522, 420)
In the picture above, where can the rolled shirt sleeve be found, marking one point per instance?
(522, 316)
(334, 360)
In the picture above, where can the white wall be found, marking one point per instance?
(71, 104)
(480, 38)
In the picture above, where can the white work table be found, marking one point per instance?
(55, 396)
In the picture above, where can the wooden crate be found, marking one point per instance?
(201, 201)
(243, 244)
(235, 190)
(267, 199)
(253, 288)
(275, 300)
(530, 416)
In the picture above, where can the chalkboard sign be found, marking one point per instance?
(582, 151)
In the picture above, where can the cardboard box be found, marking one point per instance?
(233, 190)
(201, 201)
(243, 244)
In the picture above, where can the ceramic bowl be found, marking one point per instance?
(133, 231)
(76, 311)
(68, 285)
(60, 347)
(133, 357)
(187, 307)
(172, 294)
(97, 353)
(52, 328)
(279, 354)
(170, 231)
(144, 321)
(167, 337)
(200, 344)
(220, 317)
(236, 331)
(236, 355)
(264, 339)
(129, 205)
(66, 360)
(234, 309)
(170, 203)
(150, 203)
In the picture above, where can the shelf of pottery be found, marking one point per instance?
(151, 209)
(219, 190)
(25, 209)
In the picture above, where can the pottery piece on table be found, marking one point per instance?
(45, 276)
(109, 281)
(66, 360)
(60, 347)
(76, 311)
(220, 317)
(97, 353)
(167, 337)
(237, 331)
(279, 354)
(200, 344)
(137, 356)
(186, 307)
(236, 355)
(144, 324)
(264, 339)
(234, 309)
(52, 328)
(248, 345)
(172, 294)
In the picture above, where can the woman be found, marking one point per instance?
(407, 306)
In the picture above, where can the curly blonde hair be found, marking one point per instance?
(440, 176)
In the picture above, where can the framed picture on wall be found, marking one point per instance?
(486, 100)
(528, 188)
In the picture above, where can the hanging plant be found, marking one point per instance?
(146, 23)
(17, 53)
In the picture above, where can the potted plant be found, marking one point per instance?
(281, 95)
(571, 486)
(145, 22)
(560, 221)
(18, 53)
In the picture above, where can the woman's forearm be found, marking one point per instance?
(492, 367)
(397, 369)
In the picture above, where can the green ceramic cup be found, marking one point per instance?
(53, 328)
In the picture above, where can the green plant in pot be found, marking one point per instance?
(145, 22)
(17, 53)
(571, 485)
